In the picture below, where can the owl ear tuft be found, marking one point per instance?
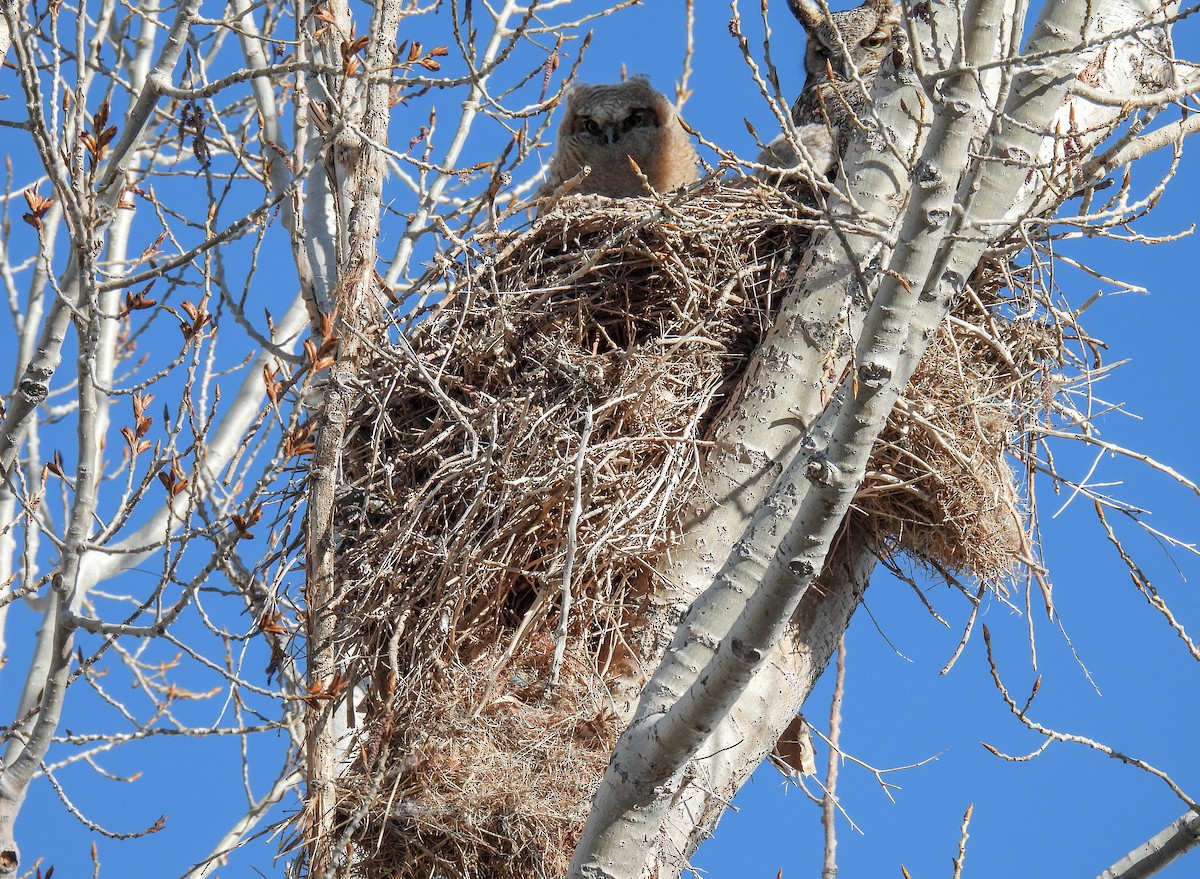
(883, 7)
(808, 13)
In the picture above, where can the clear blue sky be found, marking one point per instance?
(1070, 812)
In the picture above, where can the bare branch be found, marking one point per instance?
(1150, 858)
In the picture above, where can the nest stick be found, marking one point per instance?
(560, 644)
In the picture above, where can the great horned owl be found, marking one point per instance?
(851, 46)
(845, 50)
(604, 126)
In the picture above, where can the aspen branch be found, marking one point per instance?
(1161, 850)
(935, 252)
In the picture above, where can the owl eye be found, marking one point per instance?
(633, 120)
(590, 126)
(876, 40)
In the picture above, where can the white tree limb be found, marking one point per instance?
(934, 256)
(1159, 851)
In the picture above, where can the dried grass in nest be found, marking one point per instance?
(940, 486)
(576, 368)
(487, 783)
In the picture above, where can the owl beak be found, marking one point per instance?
(612, 133)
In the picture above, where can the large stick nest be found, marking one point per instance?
(547, 425)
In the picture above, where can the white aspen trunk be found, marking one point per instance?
(656, 802)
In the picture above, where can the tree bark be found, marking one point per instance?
(784, 472)
(356, 164)
(740, 744)
(1163, 849)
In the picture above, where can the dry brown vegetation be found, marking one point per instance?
(545, 423)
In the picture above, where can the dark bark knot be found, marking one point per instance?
(744, 652)
(874, 375)
(937, 216)
(927, 176)
(819, 471)
(954, 280)
(34, 391)
(802, 568)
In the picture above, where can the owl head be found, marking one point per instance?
(856, 40)
(604, 115)
(604, 126)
